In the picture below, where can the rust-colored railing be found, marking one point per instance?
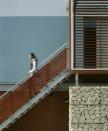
(14, 99)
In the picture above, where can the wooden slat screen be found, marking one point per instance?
(91, 7)
(14, 100)
(91, 34)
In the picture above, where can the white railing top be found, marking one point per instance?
(40, 66)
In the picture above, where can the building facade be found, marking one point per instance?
(89, 63)
(74, 77)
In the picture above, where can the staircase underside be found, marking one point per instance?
(1, 93)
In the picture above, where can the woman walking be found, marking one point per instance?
(33, 62)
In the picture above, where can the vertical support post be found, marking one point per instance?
(68, 64)
(76, 79)
(71, 31)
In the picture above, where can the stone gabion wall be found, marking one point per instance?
(88, 109)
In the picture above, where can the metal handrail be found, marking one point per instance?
(40, 66)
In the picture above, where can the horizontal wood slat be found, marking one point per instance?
(14, 100)
(91, 7)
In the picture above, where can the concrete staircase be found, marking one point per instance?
(26, 94)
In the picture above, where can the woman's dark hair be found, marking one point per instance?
(32, 55)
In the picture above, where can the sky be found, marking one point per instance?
(33, 7)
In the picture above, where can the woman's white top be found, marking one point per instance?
(34, 66)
